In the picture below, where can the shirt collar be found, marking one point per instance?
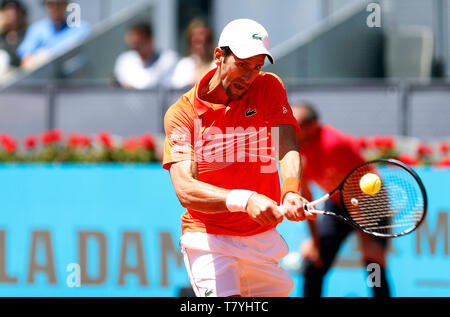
(200, 105)
(57, 27)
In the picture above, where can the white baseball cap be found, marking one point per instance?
(246, 38)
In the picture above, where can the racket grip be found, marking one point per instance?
(282, 210)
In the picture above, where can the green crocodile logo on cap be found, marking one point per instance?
(256, 37)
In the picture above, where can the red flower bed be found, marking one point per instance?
(408, 159)
(51, 137)
(55, 146)
(30, 142)
(8, 143)
(411, 152)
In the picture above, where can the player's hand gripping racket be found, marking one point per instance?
(384, 198)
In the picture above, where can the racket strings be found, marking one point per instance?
(396, 208)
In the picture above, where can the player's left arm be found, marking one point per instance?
(291, 171)
(279, 115)
(289, 153)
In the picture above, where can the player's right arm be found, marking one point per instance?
(197, 195)
(194, 194)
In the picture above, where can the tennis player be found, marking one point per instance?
(220, 149)
(328, 156)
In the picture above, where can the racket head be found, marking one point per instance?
(396, 209)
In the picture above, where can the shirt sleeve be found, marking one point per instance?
(183, 74)
(179, 141)
(31, 41)
(68, 38)
(278, 110)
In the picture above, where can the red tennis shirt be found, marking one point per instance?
(232, 147)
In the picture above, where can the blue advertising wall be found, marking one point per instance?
(119, 225)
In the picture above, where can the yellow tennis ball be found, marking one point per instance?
(370, 184)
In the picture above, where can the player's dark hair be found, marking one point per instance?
(226, 52)
(143, 28)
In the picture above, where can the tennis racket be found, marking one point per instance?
(395, 208)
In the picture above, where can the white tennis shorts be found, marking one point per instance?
(221, 265)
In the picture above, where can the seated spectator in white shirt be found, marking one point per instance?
(143, 67)
(4, 62)
(199, 61)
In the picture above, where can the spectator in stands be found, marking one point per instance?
(13, 29)
(4, 62)
(142, 66)
(4, 57)
(199, 61)
(51, 36)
